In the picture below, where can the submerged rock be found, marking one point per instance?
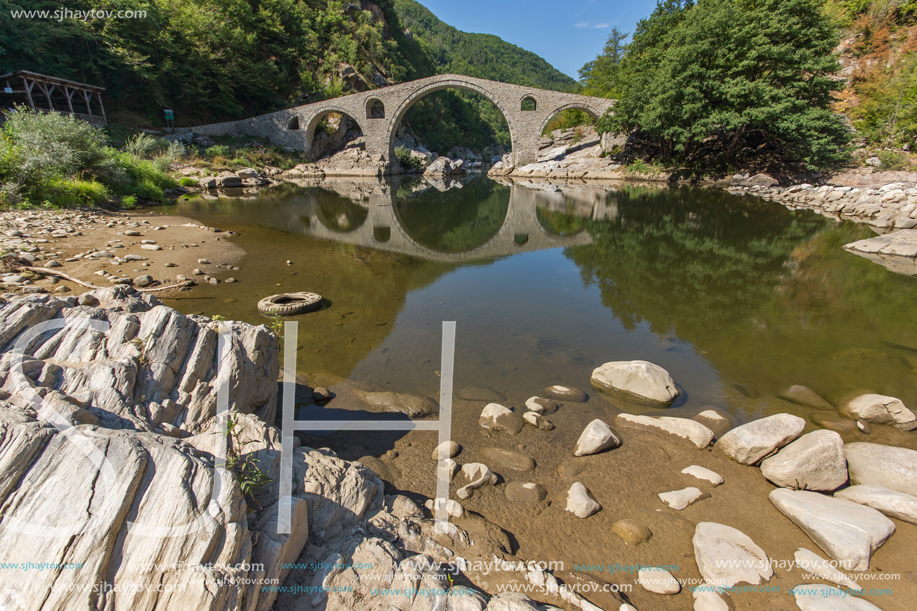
(541, 406)
(642, 379)
(815, 461)
(566, 393)
(715, 420)
(749, 443)
(878, 409)
(509, 459)
(478, 393)
(847, 532)
(413, 406)
(803, 395)
(525, 492)
(538, 421)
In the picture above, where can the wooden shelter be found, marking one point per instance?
(51, 94)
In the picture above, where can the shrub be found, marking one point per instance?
(142, 145)
(217, 150)
(187, 182)
(406, 159)
(128, 202)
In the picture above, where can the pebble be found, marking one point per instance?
(142, 281)
(197, 272)
(633, 533)
(230, 280)
(596, 437)
(131, 232)
(580, 502)
(203, 261)
(53, 264)
(171, 265)
(447, 449)
(151, 247)
(497, 417)
(213, 281)
(541, 406)
(538, 421)
(679, 499)
(320, 393)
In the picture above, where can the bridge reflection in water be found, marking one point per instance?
(437, 221)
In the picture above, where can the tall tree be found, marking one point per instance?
(600, 77)
(724, 75)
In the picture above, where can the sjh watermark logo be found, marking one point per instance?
(66, 13)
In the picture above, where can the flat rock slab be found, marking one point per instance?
(705, 474)
(847, 532)
(596, 437)
(902, 243)
(810, 562)
(658, 581)
(749, 443)
(580, 502)
(679, 499)
(822, 597)
(880, 465)
(890, 502)
(815, 461)
(641, 379)
(509, 459)
(726, 556)
(695, 432)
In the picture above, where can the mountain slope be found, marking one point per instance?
(480, 55)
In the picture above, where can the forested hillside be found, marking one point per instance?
(213, 60)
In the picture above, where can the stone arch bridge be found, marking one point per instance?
(378, 112)
(384, 230)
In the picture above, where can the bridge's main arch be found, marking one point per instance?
(379, 111)
(461, 83)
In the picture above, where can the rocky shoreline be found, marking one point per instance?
(143, 392)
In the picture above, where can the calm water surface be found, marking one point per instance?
(737, 298)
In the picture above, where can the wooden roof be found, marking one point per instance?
(51, 80)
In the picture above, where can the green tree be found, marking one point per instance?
(709, 80)
(601, 76)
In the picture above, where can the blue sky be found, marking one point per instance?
(567, 33)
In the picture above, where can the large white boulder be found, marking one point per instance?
(880, 465)
(815, 461)
(639, 378)
(749, 443)
(878, 409)
(847, 532)
(726, 556)
(890, 502)
(695, 432)
(596, 437)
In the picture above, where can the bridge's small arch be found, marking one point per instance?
(592, 112)
(316, 118)
(293, 123)
(528, 104)
(452, 83)
(375, 109)
(382, 234)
